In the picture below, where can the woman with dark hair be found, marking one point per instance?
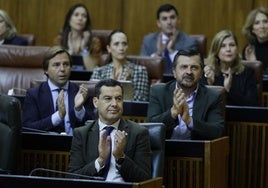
(8, 32)
(76, 36)
(224, 68)
(119, 68)
(255, 30)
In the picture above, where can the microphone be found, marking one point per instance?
(67, 173)
(31, 130)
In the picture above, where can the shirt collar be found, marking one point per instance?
(53, 87)
(191, 94)
(102, 125)
(164, 38)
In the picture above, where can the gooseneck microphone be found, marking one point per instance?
(66, 173)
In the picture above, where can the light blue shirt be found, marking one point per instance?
(55, 118)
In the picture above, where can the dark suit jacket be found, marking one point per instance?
(38, 108)
(16, 40)
(208, 118)
(243, 91)
(137, 164)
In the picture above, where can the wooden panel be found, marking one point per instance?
(45, 18)
(197, 163)
(249, 154)
(54, 160)
(184, 172)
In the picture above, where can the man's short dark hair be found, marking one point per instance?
(187, 52)
(166, 8)
(109, 83)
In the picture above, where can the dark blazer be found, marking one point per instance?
(38, 108)
(208, 118)
(243, 91)
(137, 164)
(16, 40)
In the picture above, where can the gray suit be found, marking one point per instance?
(208, 119)
(137, 164)
(149, 44)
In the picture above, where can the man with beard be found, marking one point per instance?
(188, 109)
(166, 42)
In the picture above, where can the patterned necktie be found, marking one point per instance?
(108, 129)
(168, 63)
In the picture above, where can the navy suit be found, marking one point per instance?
(16, 40)
(38, 108)
(208, 119)
(137, 164)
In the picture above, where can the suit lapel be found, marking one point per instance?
(200, 102)
(45, 94)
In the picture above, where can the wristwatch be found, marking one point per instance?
(120, 160)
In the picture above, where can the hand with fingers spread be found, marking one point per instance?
(81, 97)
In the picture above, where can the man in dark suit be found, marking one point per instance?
(129, 142)
(169, 39)
(188, 109)
(57, 105)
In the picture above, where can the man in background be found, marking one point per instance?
(166, 42)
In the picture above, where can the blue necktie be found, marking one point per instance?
(108, 129)
(168, 62)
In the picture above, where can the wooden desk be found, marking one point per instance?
(18, 181)
(200, 163)
(43, 150)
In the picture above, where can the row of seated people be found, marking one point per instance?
(163, 98)
(118, 70)
(254, 51)
(25, 66)
(36, 102)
